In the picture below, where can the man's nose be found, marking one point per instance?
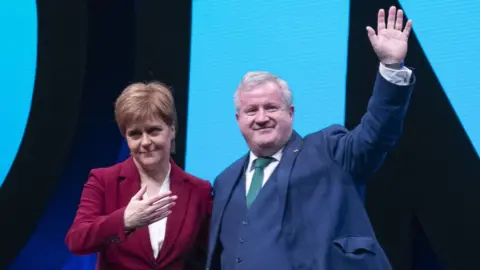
(262, 117)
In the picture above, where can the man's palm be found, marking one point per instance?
(391, 43)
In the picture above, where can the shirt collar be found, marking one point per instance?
(277, 157)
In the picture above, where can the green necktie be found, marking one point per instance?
(257, 179)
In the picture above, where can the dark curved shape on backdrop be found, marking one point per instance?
(424, 198)
(89, 51)
(107, 67)
(46, 143)
(125, 43)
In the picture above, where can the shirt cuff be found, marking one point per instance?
(396, 76)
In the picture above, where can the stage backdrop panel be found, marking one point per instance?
(449, 34)
(18, 54)
(303, 42)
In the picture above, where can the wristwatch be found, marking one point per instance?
(394, 65)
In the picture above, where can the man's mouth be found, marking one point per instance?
(264, 129)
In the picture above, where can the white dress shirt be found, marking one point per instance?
(267, 171)
(157, 229)
(396, 76)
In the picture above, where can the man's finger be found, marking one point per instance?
(371, 35)
(399, 22)
(408, 28)
(381, 20)
(391, 17)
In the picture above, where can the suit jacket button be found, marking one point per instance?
(238, 260)
(244, 222)
(301, 266)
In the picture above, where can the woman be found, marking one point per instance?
(145, 212)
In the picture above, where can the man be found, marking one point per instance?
(293, 202)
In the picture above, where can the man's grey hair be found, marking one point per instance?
(255, 78)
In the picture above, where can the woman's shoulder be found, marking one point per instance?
(181, 173)
(202, 183)
(114, 171)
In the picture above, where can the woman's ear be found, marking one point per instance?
(173, 145)
(173, 131)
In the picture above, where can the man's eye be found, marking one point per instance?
(272, 109)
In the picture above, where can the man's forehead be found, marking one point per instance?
(268, 85)
(260, 90)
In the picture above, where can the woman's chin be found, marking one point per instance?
(148, 162)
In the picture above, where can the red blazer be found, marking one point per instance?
(98, 225)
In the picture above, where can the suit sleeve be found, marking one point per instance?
(92, 229)
(362, 150)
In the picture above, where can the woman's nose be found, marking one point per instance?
(146, 140)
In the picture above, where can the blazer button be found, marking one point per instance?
(244, 222)
(238, 260)
(241, 240)
(114, 239)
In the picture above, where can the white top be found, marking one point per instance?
(157, 229)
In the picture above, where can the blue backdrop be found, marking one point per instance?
(304, 42)
(449, 34)
(298, 41)
(292, 39)
(18, 54)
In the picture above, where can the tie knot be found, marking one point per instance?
(262, 162)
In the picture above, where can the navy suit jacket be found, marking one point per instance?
(325, 225)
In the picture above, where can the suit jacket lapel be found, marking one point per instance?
(289, 155)
(180, 186)
(229, 179)
(129, 186)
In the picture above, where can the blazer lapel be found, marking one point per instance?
(180, 186)
(230, 178)
(290, 152)
(129, 186)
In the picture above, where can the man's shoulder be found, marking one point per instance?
(230, 169)
(325, 133)
(233, 166)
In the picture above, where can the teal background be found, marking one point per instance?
(18, 52)
(295, 40)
